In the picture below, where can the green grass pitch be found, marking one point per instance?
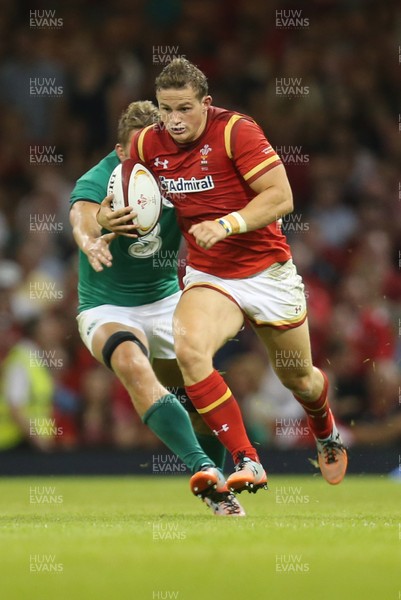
(146, 538)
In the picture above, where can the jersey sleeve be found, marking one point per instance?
(137, 151)
(87, 189)
(92, 186)
(134, 147)
(252, 154)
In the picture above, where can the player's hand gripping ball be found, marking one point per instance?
(132, 184)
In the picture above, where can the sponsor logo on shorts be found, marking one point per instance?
(91, 326)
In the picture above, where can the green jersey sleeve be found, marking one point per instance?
(93, 185)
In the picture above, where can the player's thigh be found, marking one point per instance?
(157, 322)
(205, 319)
(168, 372)
(289, 352)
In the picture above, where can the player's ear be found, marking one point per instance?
(120, 152)
(206, 102)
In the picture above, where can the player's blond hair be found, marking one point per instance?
(178, 74)
(136, 115)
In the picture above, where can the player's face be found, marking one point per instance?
(183, 114)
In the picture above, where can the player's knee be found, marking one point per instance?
(189, 353)
(300, 385)
(126, 355)
(128, 362)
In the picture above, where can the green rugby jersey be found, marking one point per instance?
(143, 270)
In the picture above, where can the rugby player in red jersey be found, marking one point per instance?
(230, 190)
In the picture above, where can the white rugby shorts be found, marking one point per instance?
(274, 297)
(154, 320)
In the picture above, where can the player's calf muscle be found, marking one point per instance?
(132, 368)
(136, 374)
(306, 385)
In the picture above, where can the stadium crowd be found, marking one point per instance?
(328, 99)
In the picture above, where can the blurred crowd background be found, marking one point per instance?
(322, 78)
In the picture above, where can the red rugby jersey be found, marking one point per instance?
(209, 178)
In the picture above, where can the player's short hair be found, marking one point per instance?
(137, 115)
(178, 74)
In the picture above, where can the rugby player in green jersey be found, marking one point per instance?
(128, 290)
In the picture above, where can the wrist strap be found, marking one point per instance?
(233, 223)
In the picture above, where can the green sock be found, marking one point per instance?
(170, 422)
(213, 448)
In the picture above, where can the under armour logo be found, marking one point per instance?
(160, 163)
(224, 427)
(267, 150)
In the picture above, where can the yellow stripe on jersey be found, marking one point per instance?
(261, 166)
(140, 142)
(227, 133)
(213, 405)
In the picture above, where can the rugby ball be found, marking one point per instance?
(132, 184)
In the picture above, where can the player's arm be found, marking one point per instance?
(88, 234)
(261, 168)
(273, 200)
